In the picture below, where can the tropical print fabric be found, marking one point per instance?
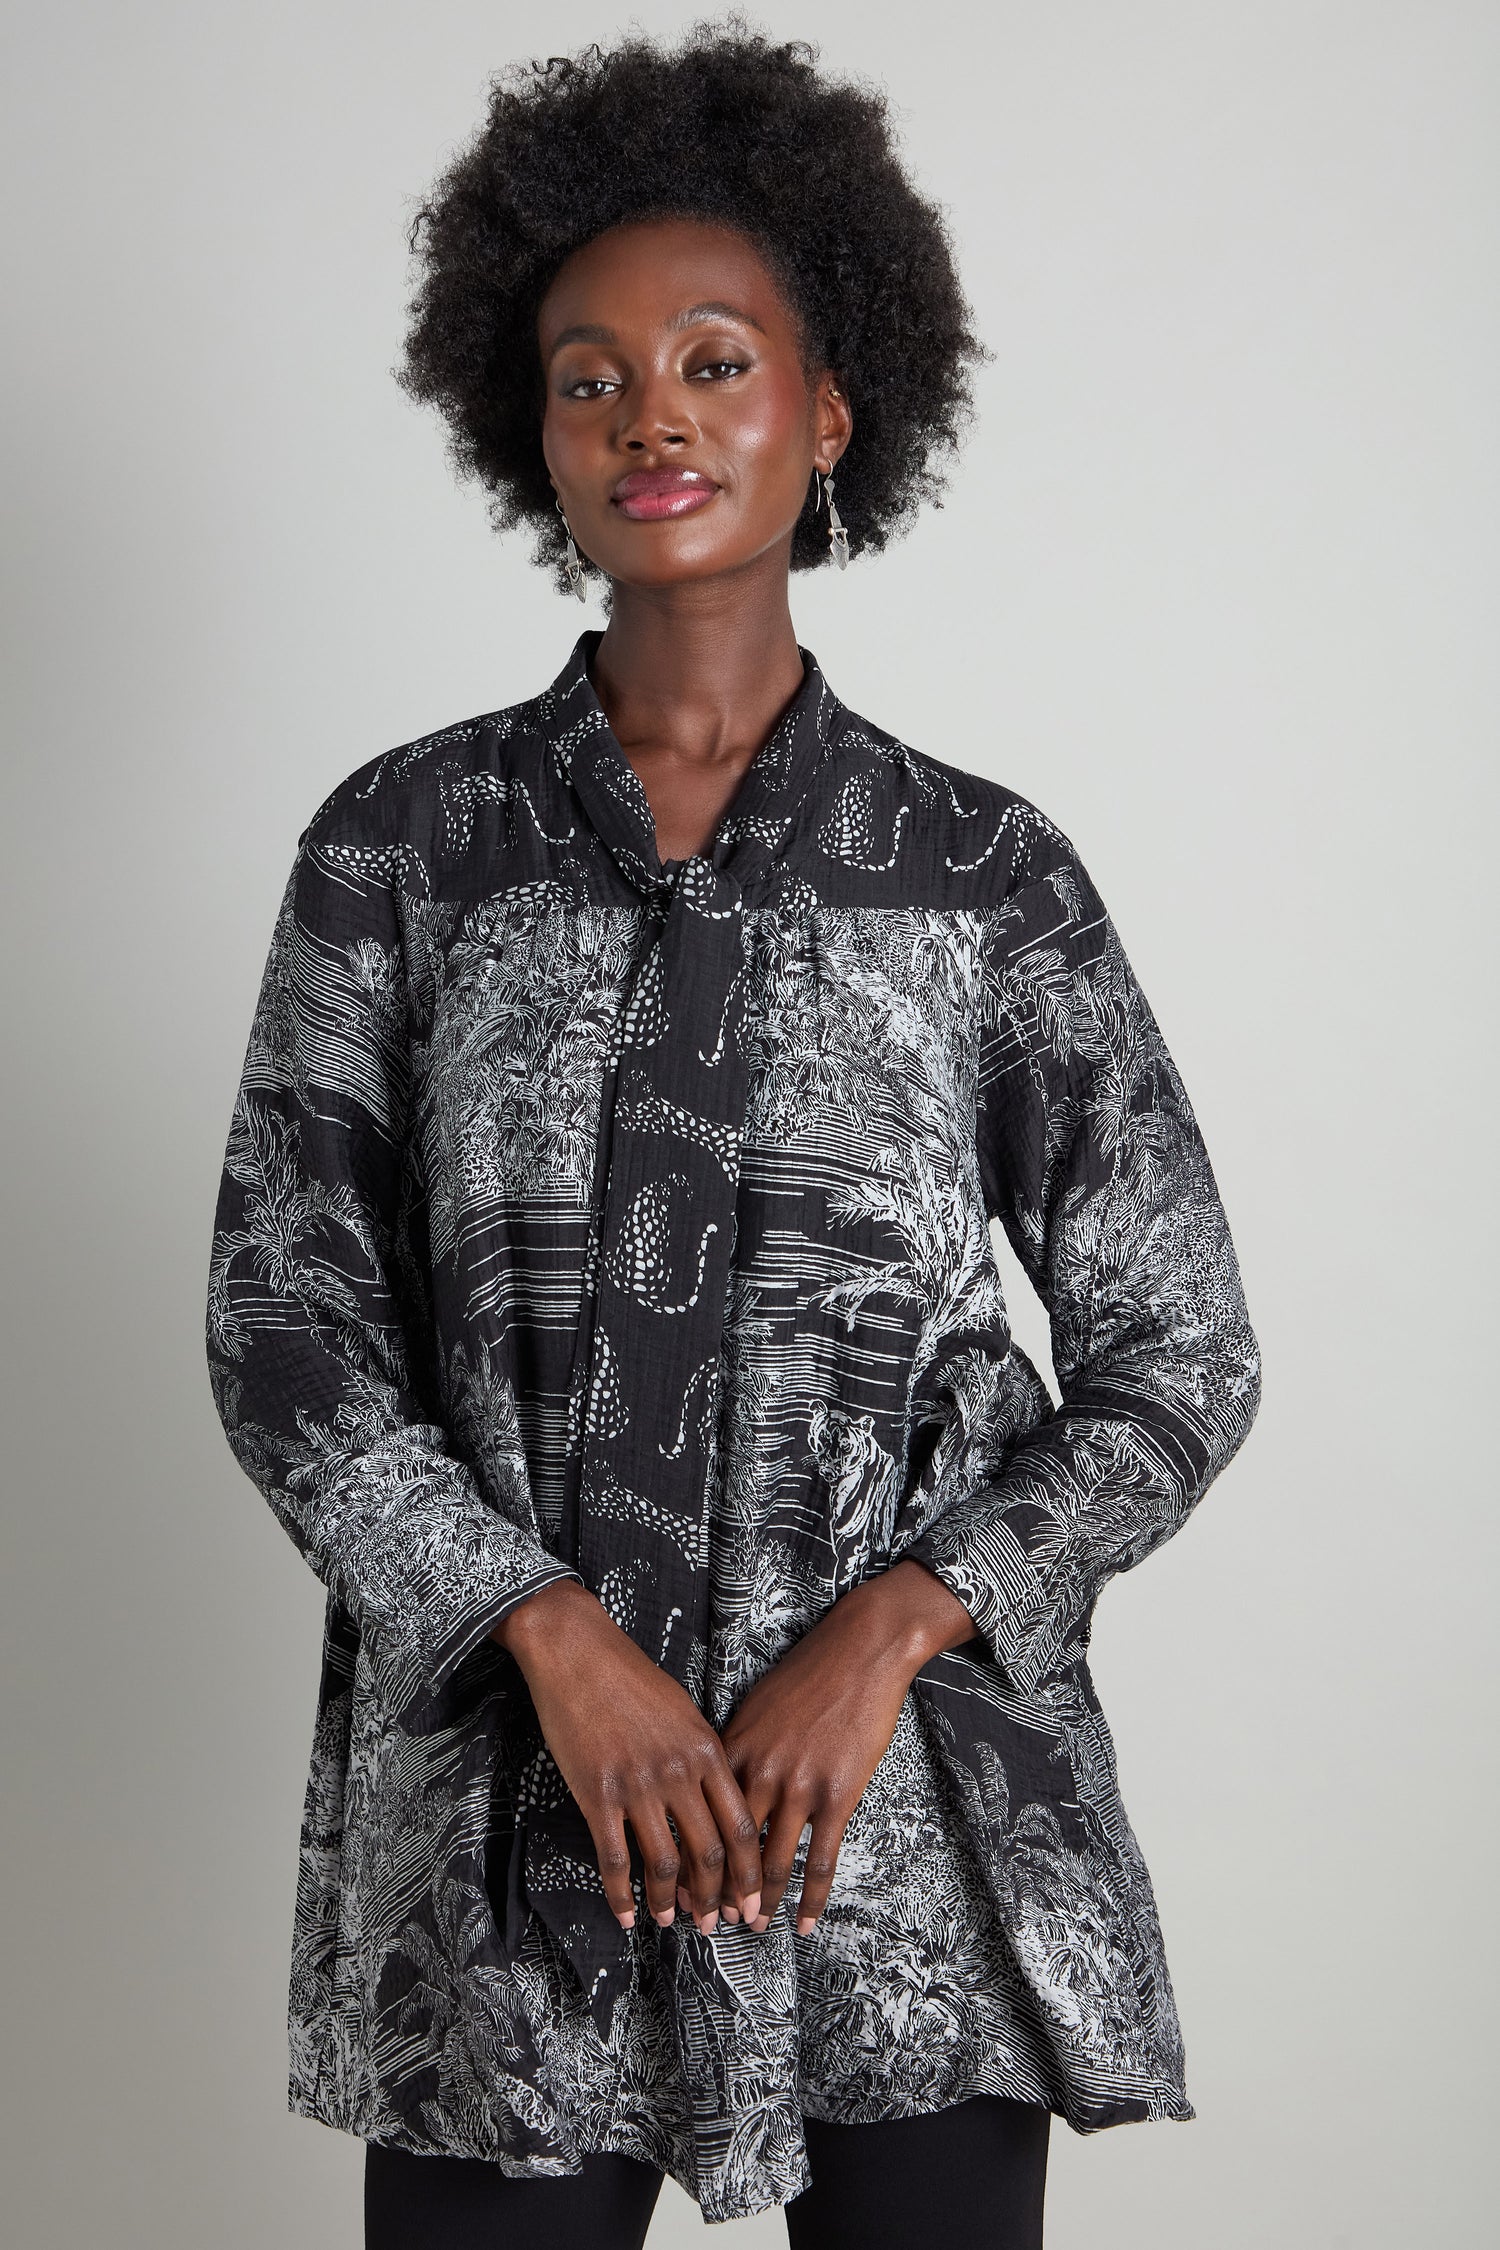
(587, 1216)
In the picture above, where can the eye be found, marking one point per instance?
(588, 386)
(720, 367)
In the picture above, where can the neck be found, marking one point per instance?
(700, 671)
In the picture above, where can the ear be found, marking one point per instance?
(833, 424)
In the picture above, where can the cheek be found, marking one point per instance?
(771, 442)
(572, 445)
(555, 447)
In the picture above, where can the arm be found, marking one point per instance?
(311, 1365)
(1095, 1165)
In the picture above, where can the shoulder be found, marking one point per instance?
(977, 839)
(412, 796)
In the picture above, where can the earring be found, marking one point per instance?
(573, 565)
(838, 537)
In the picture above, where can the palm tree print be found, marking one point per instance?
(471, 1014)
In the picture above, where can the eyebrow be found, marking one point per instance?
(712, 308)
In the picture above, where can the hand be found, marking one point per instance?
(633, 1746)
(810, 1733)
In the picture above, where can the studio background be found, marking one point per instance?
(1218, 573)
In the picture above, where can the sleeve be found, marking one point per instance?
(312, 1361)
(1093, 1162)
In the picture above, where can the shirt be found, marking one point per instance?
(585, 1215)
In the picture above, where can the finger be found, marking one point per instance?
(607, 1827)
(659, 1859)
(822, 1859)
(702, 1853)
(759, 1781)
(788, 1819)
(740, 1831)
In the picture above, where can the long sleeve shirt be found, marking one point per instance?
(588, 1215)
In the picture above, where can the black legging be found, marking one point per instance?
(973, 2174)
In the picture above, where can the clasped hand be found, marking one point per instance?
(717, 1820)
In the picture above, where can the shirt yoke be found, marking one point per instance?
(887, 823)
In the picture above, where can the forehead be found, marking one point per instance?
(644, 273)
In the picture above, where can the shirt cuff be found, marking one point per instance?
(1016, 1606)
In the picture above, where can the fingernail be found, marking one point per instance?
(667, 1916)
(730, 1913)
(709, 1924)
(627, 1921)
(752, 1906)
(761, 1922)
(806, 1923)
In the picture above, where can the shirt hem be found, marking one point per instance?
(1140, 2104)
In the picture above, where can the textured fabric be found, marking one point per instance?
(639, 1488)
(450, 1113)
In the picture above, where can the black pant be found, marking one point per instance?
(974, 2174)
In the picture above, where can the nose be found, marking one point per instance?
(654, 417)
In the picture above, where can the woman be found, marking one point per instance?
(708, 1778)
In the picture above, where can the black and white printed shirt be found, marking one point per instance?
(589, 1216)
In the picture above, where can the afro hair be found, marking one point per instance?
(728, 127)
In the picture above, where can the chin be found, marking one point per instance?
(673, 569)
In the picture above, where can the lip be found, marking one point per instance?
(648, 495)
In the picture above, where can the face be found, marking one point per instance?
(681, 426)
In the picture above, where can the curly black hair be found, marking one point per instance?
(729, 127)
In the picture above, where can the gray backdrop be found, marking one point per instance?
(1217, 573)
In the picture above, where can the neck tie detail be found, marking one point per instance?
(646, 1378)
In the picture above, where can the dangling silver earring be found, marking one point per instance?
(838, 537)
(573, 565)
